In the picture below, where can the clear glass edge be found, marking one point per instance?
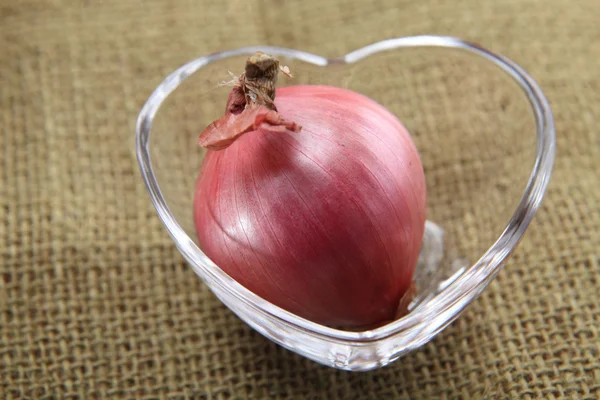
(420, 324)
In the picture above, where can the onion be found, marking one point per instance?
(323, 216)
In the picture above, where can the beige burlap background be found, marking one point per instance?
(96, 302)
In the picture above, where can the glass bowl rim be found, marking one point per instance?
(460, 290)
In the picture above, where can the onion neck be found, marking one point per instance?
(259, 80)
(250, 106)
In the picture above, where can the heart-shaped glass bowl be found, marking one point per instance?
(472, 115)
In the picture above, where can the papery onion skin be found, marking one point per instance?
(327, 222)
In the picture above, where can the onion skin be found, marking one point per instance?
(326, 222)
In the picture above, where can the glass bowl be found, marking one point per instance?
(472, 115)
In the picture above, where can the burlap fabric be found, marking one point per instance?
(96, 302)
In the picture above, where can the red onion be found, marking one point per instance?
(325, 221)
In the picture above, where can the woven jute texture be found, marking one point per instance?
(95, 300)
